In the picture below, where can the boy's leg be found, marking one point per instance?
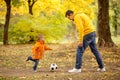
(30, 58)
(36, 64)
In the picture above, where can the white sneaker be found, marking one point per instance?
(74, 70)
(35, 71)
(102, 70)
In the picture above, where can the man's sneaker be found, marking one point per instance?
(101, 69)
(74, 70)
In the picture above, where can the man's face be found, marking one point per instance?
(71, 17)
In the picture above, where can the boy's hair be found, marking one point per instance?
(68, 12)
(40, 36)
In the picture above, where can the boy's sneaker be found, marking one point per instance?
(35, 70)
(74, 70)
(27, 59)
(101, 69)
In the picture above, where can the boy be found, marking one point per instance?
(38, 51)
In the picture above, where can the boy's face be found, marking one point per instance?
(42, 38)
(71, 17)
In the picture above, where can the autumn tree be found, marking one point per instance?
(103, 24)
(8, 4)
(7, 19)
(47, 19)
(30, 5)
(115, 17)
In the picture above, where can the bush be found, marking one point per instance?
(24, 29)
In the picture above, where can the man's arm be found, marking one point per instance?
(79, 26)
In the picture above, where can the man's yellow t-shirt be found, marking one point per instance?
(83, 24)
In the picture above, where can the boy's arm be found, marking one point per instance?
(47, 48)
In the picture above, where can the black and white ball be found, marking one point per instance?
(53, 67)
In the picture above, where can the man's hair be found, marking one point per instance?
(68, 12)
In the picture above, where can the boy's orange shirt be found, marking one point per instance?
(38, 49)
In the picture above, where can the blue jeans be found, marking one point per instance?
(88, 40)
(34, 60)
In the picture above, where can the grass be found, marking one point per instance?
(116, 40)
(14, 67)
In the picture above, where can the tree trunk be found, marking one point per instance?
(30, 5)
(30, 9)
(8, 4)
(103, 24)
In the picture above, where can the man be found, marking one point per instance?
(87, 38)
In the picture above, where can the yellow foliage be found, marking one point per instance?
(22, 9)
(2, 8)
(89, 1)
(51, 7)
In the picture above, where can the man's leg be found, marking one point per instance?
(79, 54)
(80, 50)
(96, 53)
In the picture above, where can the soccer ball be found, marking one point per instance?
(53, 67)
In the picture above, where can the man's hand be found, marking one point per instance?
(80, 44)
